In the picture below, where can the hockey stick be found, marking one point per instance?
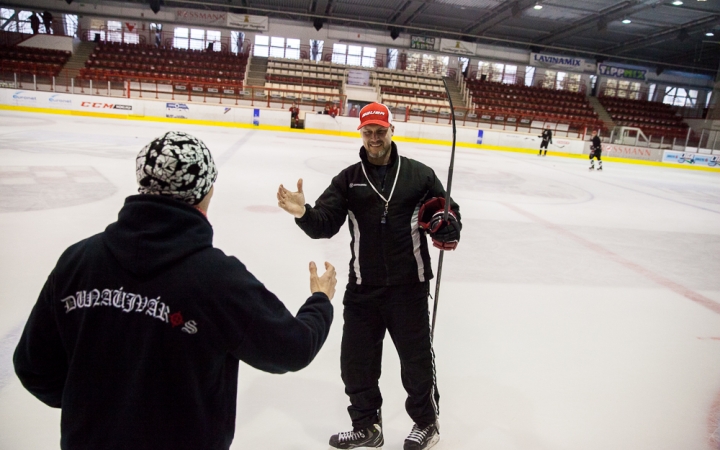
(445, 212)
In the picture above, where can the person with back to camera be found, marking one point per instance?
(47, 18)
(138, 331)
(390, 201)
(546, 139)
(35, 23)
(595, 151)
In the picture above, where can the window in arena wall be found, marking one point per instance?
(212, 37)
(277, 47)
(115, 33)
(339, 54)
(425, 63)
(392, 58)
(529, 75)
(497, 72)
(368, 57)
(8, 20)
(181, 38)
(680, 97)
(316, 49)
(197, 39)
(574, 80)
(23, 24)
(236, 41)
(292, 49)
(651, 92)
(549, 79)
(509, 74)
(71, 24)
(262, 46)
(354, 55)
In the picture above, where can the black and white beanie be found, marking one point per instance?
(176, 165)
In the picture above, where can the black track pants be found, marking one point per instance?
(403, 312)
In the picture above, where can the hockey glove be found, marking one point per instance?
(445, 234)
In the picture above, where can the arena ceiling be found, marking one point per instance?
(659, 32)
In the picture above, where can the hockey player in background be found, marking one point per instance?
(138, 332)
(390, 201)
(546, 139)
(595, 151)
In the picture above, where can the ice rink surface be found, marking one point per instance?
(581, 310)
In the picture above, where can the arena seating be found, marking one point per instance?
(316, 80)
(31, 60)
(653, 118)
(115, 61)
(517, 99)
(402, 89)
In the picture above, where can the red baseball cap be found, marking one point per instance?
(375, 114)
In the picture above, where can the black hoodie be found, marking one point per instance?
(138, 331)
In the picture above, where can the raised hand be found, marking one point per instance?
(326, 283)
(292, 202)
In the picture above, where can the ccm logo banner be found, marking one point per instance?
(106, 106)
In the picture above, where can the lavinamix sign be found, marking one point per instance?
(561, 62)
(622, 72)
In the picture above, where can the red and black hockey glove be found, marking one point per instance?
(445, 234)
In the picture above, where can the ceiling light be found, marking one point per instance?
(677, 3)
(709, 33)
(537, 6)
(626, 21)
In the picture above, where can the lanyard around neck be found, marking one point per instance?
(386, 200)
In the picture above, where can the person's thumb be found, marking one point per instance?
(313, 269)
(299, 185)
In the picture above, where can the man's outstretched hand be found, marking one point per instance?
(325, 283)
(292, 202)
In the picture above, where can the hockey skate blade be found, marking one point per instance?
(359, 448)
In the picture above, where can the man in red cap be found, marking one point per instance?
(391, 202)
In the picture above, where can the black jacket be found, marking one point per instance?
(596, 143)
(392, 253)
(138, 331)
(547, 135)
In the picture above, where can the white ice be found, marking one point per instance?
(581, 310)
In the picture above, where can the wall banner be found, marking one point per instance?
(622, 72)
(201, 17)
(569, 63)
(248, 22)
(457, 47)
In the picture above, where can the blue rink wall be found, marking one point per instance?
(243, 116)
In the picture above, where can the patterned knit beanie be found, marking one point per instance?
(176, 165)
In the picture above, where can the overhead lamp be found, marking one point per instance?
(626, 21)
(677, 2)
(537, 6)
(709, 34)
(318, 24)
(394, 33)
(155, 6)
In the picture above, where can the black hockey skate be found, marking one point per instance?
(422, 438)
(365, 438)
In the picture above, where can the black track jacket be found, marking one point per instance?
(138, 331)
(392, 253)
